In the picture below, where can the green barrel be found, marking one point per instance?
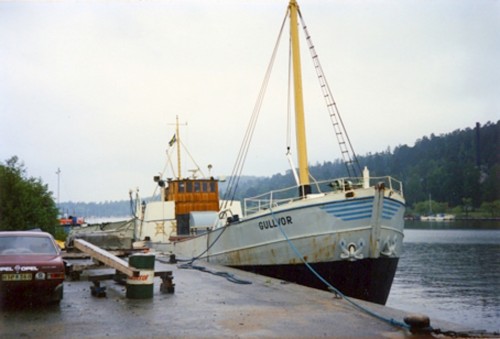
(141, 287)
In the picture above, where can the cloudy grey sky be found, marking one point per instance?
(93, 88)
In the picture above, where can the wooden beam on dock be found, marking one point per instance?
(106, 258)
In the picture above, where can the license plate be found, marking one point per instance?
(17, 277)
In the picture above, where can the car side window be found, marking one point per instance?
(41, 245)
(4, 244)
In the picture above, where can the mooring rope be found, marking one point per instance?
(229, 276)
(208, 247)
(332, 288)
(391, 321)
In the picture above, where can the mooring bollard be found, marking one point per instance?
(141, 287)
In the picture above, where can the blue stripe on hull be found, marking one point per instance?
(360, 209)
(390, 209)
(350, 210)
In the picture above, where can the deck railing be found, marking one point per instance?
(280, 197)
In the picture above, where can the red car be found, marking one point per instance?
(31, 267)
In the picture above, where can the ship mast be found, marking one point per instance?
(300, 126)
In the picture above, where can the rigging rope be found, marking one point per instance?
(192, 159)
(133, 205)
(346, 148)
(289, 99)
(162, 173)
(230, 192)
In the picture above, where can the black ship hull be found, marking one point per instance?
(366, 279)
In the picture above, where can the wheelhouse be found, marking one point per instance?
(190, 196)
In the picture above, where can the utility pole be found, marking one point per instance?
(58, 184)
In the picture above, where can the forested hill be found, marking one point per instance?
(451, 168)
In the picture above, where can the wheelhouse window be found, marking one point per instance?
(181, 187)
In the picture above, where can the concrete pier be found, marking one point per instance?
(203, 305)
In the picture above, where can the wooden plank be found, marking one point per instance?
(80, 255)
(106, 258)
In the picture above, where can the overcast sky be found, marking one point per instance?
(93, 88)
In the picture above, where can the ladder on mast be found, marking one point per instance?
(346, 149)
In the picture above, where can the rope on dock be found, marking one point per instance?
(229, 276)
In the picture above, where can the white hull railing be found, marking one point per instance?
(338, 186)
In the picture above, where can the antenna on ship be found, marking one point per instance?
(177, 139)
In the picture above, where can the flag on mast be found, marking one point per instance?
(172, 141)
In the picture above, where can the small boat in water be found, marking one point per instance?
(348, 230)
(438, 217)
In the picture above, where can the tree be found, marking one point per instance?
(25, 203)
(467, 206)
(491, 208)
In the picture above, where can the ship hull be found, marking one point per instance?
(368, 279)
(353, 244)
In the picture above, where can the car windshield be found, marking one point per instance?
(26, 245)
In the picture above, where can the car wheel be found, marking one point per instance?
(58, 295)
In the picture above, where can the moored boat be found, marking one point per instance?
(347, 230)
(438, 217)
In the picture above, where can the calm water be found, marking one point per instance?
(451, 271)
